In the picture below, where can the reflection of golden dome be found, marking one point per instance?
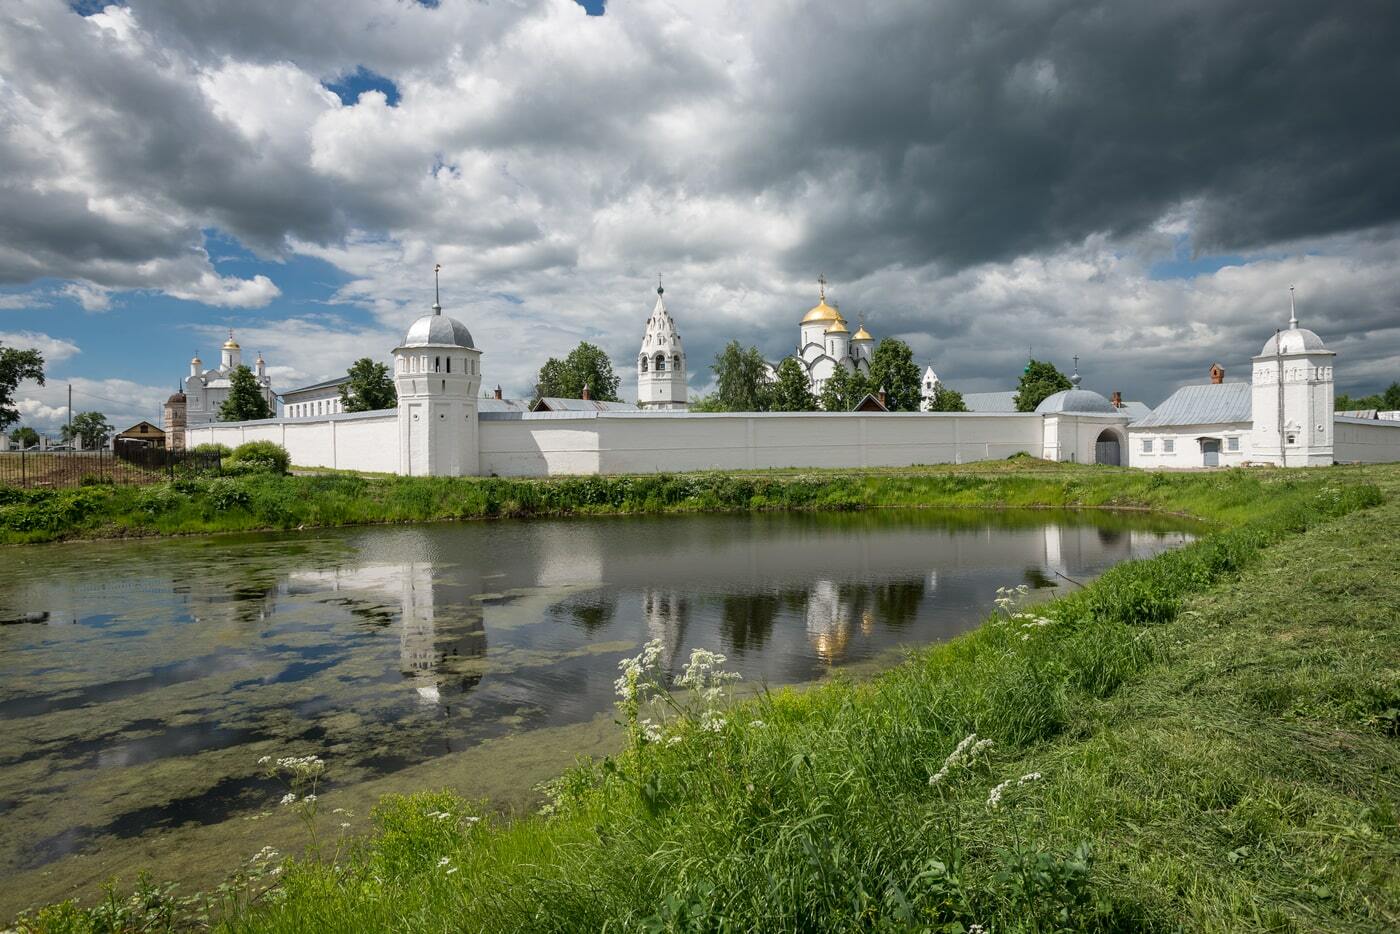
(838, 328)
(822, 312)
(862, 335)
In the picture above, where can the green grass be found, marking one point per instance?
(266, 502)
(1215, 730)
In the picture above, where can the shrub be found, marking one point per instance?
(225, 494)
(259, 457)
(212, 447)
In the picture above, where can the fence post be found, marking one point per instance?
(23, 469)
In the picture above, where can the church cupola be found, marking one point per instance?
(196, 365)
(661, 372)
(231, 357)
(261, 367)
(1292, 402)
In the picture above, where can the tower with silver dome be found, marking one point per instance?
(437, 372)
(1292, 398)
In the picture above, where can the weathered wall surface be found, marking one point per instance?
(365, 441)
(1366, 441)
(605, 442)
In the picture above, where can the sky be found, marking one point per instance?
(1134, 183)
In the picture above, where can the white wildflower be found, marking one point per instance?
(452, 870)
(444, 861)
(264, 760)
(1028, 778)
(968, 749)
(711, 722)
(759, 724)
(994, 799)
(344, 825)
(976, 929)
(651, 731)
(288, 798)
(672, 740)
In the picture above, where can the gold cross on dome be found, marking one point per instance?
(821, 285)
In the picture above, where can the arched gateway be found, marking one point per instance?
(1107, 449)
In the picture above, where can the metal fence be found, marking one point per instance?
(128, 464)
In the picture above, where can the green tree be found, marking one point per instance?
(245, 399)
(1391, 396)
(741, 381)
(1390, 399)
(946, 400)
(370, 388)
(1039, 380)
(16, 365)
(892, 366)
(90, 428)
(586, 365)
(25, 436)
(793, 391)
(842, 390)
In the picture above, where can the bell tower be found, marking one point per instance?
(661, 382)
(437, 373)
(1292, 398)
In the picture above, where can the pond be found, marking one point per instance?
(140, 681)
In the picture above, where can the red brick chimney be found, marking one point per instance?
(1117, 399)
(884, 399)
(498, 392)
(586, 395)
(1217, 373)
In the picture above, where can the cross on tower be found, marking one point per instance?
(821, 285)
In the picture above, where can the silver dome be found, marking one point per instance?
(438, 330)
(1293, 340)
(1076, 401)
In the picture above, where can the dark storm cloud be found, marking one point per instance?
(976, 131)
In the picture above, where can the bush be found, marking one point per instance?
(211, 448)
(226, 494)
(259, 457)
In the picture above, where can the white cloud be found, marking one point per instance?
(54, 349)
(227, 291)
(90, 297)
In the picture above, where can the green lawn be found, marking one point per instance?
(1215, 734)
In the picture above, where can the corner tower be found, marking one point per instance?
(1292, 401)
(661, 382)
(437, 372)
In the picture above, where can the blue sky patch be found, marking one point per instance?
(350, 86)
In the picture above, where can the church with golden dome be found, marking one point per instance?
(825, 343)
(205, 390)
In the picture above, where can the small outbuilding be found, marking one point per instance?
(142, 434)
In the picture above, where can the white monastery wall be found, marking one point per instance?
(1178, 447)
(1366, 441)
(547, 444)
(367, 441)
(1073, 438)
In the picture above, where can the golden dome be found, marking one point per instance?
(862, 335)
(231, 344)
(838, 328)
(822, 312)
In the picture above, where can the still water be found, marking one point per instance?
(140, 682)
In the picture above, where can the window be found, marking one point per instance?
(1168, 445)
(1147, 445)
(1232, 444)
(644, 364)
(449, 364)
(437, 364)
(1292, 438)
(660, 363)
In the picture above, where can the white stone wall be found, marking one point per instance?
(1074, 438)
(1178, 447)
(547, 444)
(1366, 441)
(366, 441)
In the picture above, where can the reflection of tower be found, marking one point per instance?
(828, 620)
(1054, 549)
(665, 615)
(435, 639)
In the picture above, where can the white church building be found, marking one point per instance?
(206, 390)
(442, 427)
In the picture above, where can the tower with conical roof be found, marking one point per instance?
(661, 376)
(437, 372)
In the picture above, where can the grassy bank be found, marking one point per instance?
(1212, 735)
(267, 502)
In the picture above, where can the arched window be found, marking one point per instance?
(644, 364)
(676, 362)
(660, 363)
(449, 364)
(437, 364)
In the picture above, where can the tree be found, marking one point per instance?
(16, 365)
(1391, 396)
(842, 390)
(741, 380)
(245, 399)
(1039, 380)
(1385, 401)
(370, 388)
(25, 436)
(946, 400)
(586, 365)
(793, 390)
(90, 428)
(892, 367)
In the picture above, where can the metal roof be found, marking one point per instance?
(323, 384)
(493, 404)
(990, 401)
(556, 404)
(1073, 401)
(438, 330)
(1207, 404)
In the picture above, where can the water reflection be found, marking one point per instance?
(157, 672)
